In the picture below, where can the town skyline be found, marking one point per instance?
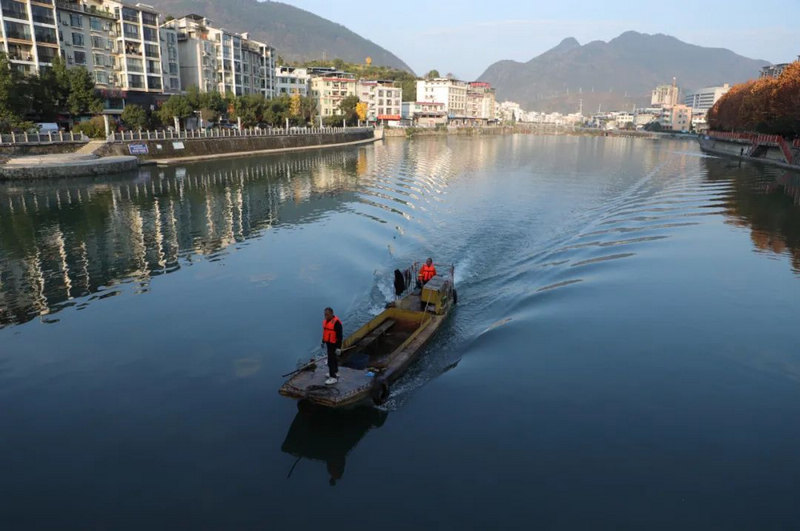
(508, 30)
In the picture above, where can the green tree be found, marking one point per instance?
(433, 74)
(13, 102)
(134, 117)
(177, 106)
(82, 98)
(308, 109)
(348, 107)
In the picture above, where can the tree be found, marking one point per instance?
(11, 103)
(348, 108)
(766, 105)
(82, 98)
(295, 107)
(250, 109)
(361, 110)
(177, 106)
(433, 74)
(134, 117)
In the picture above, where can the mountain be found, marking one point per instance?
(297, 35)
(615, 74)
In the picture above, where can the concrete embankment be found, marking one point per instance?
(173, 151)
(738, 149)
(64, 165)
(104, 158)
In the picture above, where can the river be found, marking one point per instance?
(624, 353)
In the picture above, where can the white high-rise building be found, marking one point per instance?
(452, 93)
(214, 59)
(28, 34)
(704, 99)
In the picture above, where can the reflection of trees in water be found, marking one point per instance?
(65, 240)
(767, 201)
(328, 435)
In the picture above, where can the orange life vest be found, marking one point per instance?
(329, 330)
(427, 272)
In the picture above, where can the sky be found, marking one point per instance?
(465, 37)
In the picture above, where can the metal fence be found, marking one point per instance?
(136, 136)
(21, 139)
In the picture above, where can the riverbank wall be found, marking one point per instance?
(163, 151)
(745, 149)
(527, 129)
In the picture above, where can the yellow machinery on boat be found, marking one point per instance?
(379, 352)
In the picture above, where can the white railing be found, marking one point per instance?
(15, 139)
(190, 134)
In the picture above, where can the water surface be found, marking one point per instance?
(624, 352)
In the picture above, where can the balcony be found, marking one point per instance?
(14, 10)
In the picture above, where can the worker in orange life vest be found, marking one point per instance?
(426, 272)
(332, 340)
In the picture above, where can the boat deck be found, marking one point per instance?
(310, 384)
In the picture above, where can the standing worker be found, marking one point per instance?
(332, 339)
(426, 272)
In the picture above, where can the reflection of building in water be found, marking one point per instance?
(68, 240)
(767, 202)
(328, 435)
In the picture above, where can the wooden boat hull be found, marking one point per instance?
(399, 333)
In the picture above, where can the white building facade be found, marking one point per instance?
(290, 80)
(28, 34)
(452, 93)
(702, 100)
(383, 99)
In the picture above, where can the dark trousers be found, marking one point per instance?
(333, 362)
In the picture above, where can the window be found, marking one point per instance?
(45, 35)
(151, 50)
(101, 77)
(96, 24)
(136, 82)
(135, 65)
(154, 82)
(98, 42)
(153, 67)
(76, 21)
(99, 59)
(131, 15)
(77, 39)
(150, 34)
(150, 19)
(174, 84)
(43, 15)
(131, 31)
(80, 58)
(15, 30)
(15, 9)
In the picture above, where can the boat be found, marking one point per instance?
(378, 353)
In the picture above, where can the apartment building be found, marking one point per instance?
(702, 100)
(29, 34)
(480, 102)
(329, 87)
(452, 93)
(290, 80)
(383, 100)
(214, 59)
(424, 113)
(665, 95)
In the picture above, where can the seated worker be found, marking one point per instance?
(426, 272)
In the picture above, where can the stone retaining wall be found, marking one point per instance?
(67, 170)
(22, 150)
(194, 147)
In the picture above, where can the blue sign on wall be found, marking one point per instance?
(138, 149)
